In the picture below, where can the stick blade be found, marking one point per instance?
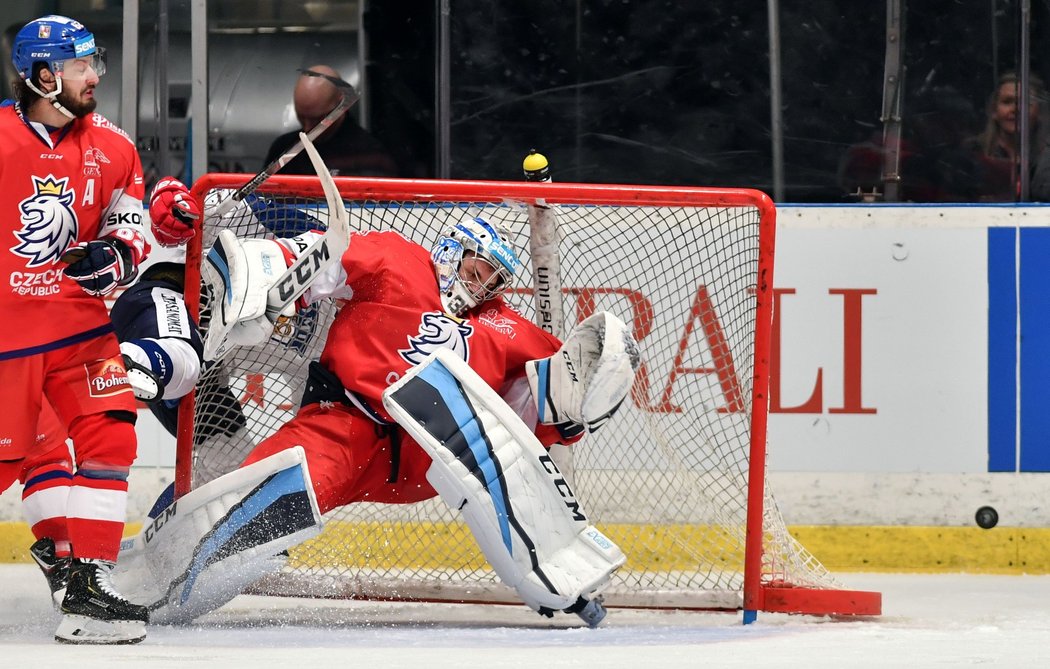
(338, 218)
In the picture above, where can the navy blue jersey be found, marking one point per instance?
(155, 310)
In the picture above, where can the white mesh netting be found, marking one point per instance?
(666, 478)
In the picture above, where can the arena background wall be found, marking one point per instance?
(911, 387)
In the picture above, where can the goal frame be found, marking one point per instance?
(758, 595)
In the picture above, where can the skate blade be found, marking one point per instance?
(78, 629)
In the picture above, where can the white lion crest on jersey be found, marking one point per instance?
(438, 330)
(49, 225)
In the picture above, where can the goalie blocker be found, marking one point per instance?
(488, 464)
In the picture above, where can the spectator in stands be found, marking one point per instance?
(347, 148)
(998, 147)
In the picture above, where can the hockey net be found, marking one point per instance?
(668, 479)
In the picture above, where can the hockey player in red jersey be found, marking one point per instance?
(71, 187)
(161, 348)
(405, 312)
(395, 315)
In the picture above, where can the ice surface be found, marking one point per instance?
(930, 620)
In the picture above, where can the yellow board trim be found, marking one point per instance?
(1001, 550)
(16, 538)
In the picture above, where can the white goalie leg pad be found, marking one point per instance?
(589, 377)
(490, 466)
(203, 549)
(239, 273)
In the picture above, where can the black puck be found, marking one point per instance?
(987, 517)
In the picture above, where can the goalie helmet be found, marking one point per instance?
(465, 285)
(53, 40)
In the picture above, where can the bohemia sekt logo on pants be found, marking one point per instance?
(107, 377)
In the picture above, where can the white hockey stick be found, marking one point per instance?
(546, 278)
(543, 247)
(320, 255)
(350, 97)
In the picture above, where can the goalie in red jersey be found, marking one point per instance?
(429, 384)
(71, 185)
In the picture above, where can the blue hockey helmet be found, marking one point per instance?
(53, 40)
(462, 291)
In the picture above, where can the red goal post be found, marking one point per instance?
(677, 478)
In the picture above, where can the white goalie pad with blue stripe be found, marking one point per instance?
(201, 550)
(491, 467)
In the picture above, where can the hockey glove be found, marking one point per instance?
(99, 266)
(585, 382)
(146, 385)
(173, 212)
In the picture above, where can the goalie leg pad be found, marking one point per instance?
(203, 549)
(491, 467)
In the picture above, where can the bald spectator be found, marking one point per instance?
(347, 148)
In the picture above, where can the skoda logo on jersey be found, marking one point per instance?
(438, 330)
(49, 224)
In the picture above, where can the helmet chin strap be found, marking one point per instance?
(51, 97)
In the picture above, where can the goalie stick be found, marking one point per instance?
(322, 253)
(301, 273)
(543, 246)
(546, 277)
(350, 97)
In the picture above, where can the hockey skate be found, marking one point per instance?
(94, 612)
(56, 569)
(590, 611)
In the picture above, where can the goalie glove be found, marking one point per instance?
(238, 274)
(584, 383)
(173, 212)
(99, 266)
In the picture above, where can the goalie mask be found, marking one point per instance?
(474, 263)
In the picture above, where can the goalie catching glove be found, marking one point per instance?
(99, 266)
(173, 212)
(584, 383)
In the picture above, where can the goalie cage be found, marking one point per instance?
(689, 269)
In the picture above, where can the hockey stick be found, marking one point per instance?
(322, 253)
(350, 97)
(543, 247)
(546, 278)
(316, 258)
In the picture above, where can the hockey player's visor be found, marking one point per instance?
(78, 69)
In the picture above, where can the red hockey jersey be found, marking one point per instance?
(57, 189)
(394, 319)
